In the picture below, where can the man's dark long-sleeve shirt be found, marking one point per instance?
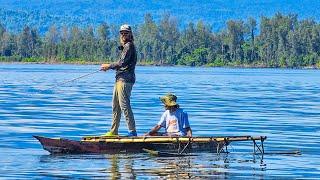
(125, 67)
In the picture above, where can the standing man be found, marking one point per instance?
(125, 78)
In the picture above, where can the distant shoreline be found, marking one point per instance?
(163, 65)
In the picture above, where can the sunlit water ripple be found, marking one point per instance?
(279, 103)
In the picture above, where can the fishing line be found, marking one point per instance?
(31, 92)
(71, 80)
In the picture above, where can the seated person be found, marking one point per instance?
(174, 119)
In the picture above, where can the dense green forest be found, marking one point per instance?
(41, 14)
(278, 41)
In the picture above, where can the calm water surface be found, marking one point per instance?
(278, 103)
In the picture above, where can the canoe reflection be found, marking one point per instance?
(142, 166)
(116, 169)
(135, 166)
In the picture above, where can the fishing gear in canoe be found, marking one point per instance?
(71, 80)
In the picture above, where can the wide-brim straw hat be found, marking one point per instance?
(169, 99)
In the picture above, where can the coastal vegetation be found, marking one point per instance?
(277, 41)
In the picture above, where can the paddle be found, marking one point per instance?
(165, 154)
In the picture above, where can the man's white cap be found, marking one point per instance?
(125, 27)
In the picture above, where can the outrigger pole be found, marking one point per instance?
(221, 144)
(257, 148)
(184, 144)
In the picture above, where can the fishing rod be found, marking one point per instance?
(71, 80)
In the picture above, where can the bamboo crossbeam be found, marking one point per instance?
(166, 139)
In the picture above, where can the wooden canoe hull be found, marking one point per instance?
(133, 145)
(66, 146)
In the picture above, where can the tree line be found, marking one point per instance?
(279, 41)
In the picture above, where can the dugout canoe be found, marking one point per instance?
(117, 145)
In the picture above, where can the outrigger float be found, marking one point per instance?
(150, 144)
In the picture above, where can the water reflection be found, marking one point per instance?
(115, 168)
(144, 166)
(136, 166)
